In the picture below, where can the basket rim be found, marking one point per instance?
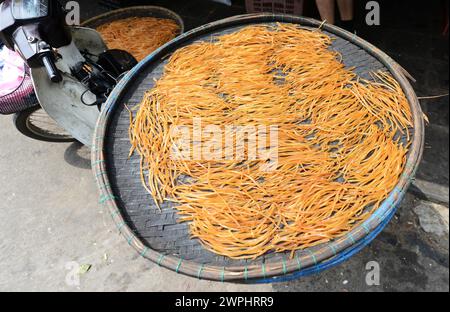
(91, 21)
(273, 269)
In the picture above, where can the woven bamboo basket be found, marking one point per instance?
(156, 235)
(134, 11)
(275, 6)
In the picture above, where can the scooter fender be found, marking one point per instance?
(62, 101)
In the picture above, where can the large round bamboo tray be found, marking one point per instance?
(157, 236)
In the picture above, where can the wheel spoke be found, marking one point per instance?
(42, 124)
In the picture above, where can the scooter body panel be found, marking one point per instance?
(62, 101)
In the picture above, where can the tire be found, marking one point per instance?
(34, 123)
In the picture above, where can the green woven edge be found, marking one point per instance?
(249, 272)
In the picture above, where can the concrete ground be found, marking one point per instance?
(56, 237)
(51, 225)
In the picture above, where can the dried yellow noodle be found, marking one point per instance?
(339, 140)
(138, 35)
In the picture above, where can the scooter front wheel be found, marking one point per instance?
(34, 122)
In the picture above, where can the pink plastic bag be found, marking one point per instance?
(12, 73)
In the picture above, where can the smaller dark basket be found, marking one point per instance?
(294, 7)
(134, 11)
(21, 98)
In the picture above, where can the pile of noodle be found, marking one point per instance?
(138, 35)
(342, 140)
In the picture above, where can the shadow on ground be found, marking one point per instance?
(78, 155)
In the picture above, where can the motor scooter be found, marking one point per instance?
(71, 69)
